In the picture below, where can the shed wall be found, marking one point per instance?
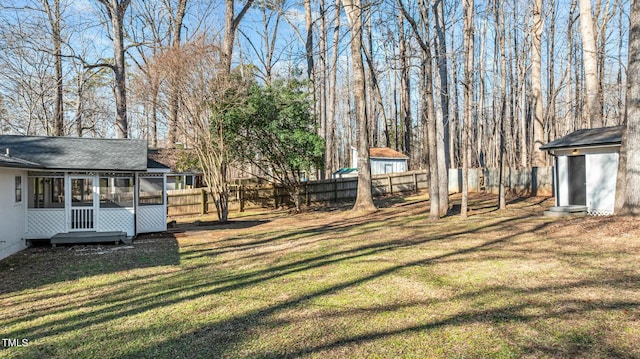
(601, 182)
(12, 214)
(378, 165)
(601, 166)
(563, 181)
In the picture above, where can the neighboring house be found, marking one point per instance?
(176, 179)
(585, 169)
(383, 160)
(74, 190)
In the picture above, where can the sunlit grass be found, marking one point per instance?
(328, 283)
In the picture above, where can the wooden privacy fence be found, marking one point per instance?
(536, 181)
(241, 197)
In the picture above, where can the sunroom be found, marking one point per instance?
(79, 189)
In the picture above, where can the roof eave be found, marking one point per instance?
(579, 146)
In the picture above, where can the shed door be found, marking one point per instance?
(577, 181)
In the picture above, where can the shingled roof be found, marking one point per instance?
(588, 137)
(73, 153)
(385, 152)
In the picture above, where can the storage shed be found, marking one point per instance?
(77, 190)
(383, 160)
(585, 169)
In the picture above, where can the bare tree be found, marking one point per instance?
(468, 11)
(590, 60)
(428, 106)
(442, 127)
(331, 164)
(196, 69)
(538, 158)
(628, 181)
(54, 15)
(232, 21)
(174, 104)
(364, 199)
(116, 10)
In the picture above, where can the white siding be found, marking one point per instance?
(601, 166)
(563, 181)
(601, 182)
(382, 165)
(12, 214)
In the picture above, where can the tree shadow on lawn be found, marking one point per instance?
(38, 266)
(143, 303)
(222, 337)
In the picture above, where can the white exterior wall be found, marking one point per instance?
(601, 166)
(378, 165)
(562, 192)
(601, 182)
(12, 214)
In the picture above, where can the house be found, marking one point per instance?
(74, 190)
(585, 169)
(176, 179)
(383, 160)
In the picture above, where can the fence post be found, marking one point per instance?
(275, 196)
(390, 185)
(203, 201)
(241, 197)
(335, 190)
(307, 194)
(415, 182)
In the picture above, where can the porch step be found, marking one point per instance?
(566, 211)
(90, 237)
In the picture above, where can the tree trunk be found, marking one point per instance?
(429, 121)
(538, 157)
(56, 37)
(405, 88)
(590, 59)
(174, 102)
(330, 165)
(468, 10)
(116, 10)
(364, 199)
(443, 128)
(504, 102)
(231, 23)
(630, 153)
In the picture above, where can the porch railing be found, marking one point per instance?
(82, 218)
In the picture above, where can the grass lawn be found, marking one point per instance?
(332, 283)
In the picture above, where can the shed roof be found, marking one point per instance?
(385, 152)
(74, 153)
(588, 137)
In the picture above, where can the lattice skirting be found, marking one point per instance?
(44, 223)
(600, 212)
(116, 219)
(151, 219)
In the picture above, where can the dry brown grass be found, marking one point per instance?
(332, 283)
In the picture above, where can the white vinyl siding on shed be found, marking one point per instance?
(13, 214)
(601, 167)
(601, 182)
(387, 165)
